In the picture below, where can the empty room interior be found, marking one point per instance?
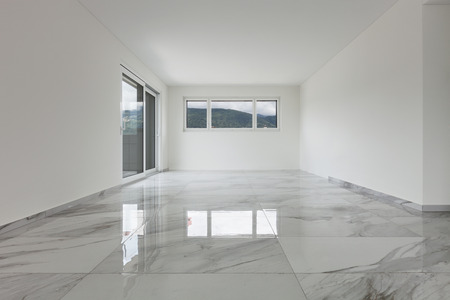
(240, 149)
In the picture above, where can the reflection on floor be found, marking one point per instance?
(229, 235)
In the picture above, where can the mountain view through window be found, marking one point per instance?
(231, 113)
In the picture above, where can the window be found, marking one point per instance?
(231, 224)
(132, 127)
(196, 113)
(231, 114)
(132, 106)
(249, 114)
(139, 126)
(197, 224)
(266, 113)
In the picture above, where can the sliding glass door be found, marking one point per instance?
(139, 127)
(150, 131)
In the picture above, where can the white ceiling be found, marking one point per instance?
(236, 42)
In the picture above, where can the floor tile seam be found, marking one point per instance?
(364, 209)
(295, 275)
(218, 195)
(404, 226)
(389, 222)
(79, 281)
(53, 218)
(105, 258)
(345, 236)
(270, 224)
(390, 207)
(56, 238)
(134, 231)
(28, 235)
(354, 237)
(369, 272)
(101, 237)
(42, 273)
(377, 199)
(91, 214)
(185, 273)
(421, 269)
(290, 265)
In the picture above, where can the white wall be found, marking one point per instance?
(436, 104)
(361, 114)
(234, 150)
(60, 92)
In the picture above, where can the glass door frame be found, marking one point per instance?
(157, 126)
(146, 89)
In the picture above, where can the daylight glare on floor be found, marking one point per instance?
(229, 235)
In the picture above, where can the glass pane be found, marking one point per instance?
(266, 112)
(150, 131)
(231, 114)
(264, 228)
(132, 219)
(132, 124)
(231, 223)
(197, 223)
(196, 113)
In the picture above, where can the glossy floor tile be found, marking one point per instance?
(197, 255)
(425, 226)
(411, 286)
(76, 226)
(37, 286)
(187, 286)
(350, 225)
(354, 254)
(53, 255)
(229, 235)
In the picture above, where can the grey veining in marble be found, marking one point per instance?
(436, 254)
(95, 209)
(53, 255)
(411, 286)
(197, 255)
(354, 254)
(229, 235)
(316, 255)
(188, 286)
(50, 212)
(403, 204)
(37, 286)
(425, 226)
(362, 224)
(78, 226)
(384, 210)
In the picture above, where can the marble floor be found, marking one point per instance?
(229, 235)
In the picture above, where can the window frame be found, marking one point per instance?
(255, 234)
(221, 99)
(254, 101)
(277, 107)
(198, 99)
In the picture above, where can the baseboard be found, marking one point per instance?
(385, 198)
(436, 208)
